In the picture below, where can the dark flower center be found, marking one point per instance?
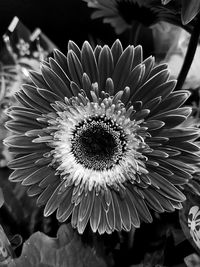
(98, 143)
(130, 12)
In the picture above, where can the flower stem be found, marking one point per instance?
(189, 55)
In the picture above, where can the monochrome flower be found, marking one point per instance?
(99, 138)
(122, 14)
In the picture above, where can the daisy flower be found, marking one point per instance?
(98, 140)
(122, 14)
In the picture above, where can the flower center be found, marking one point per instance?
(131, 11)
(98, 143)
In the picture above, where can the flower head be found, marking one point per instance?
(122, 14)
(98, 138)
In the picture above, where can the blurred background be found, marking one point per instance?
(59, 20)
(64, 20)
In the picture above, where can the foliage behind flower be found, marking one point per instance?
(6, 252)
(66, 250)
(99, 138)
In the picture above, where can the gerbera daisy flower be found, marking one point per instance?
(122, 14)
(189, 9)
(98, 138)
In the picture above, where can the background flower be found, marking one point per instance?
(193, 224)
(189, 219)
(99, 137)
(123, 14)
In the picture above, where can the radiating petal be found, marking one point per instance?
(122, 68)
(89, 63)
